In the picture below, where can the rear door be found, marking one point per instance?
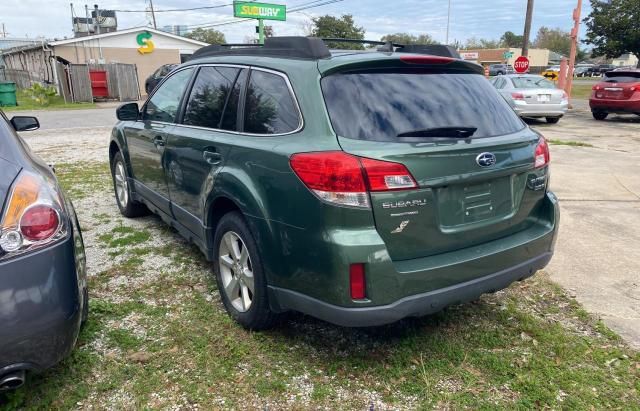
(198, 146)
(620, 85)
(406, 116)
(146, 139)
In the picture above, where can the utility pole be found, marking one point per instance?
(574, 47)
(446, 41)
(527, 29)
(153, 14)
(4, 32)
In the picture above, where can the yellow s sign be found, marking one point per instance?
(144, 40)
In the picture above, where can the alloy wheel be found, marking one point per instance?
(122, 185)
(236, 271)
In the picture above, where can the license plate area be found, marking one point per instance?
(471, 203)
(544, 98)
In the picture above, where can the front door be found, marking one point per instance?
(199, 145)
(147, 139)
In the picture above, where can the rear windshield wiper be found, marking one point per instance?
(454, 132)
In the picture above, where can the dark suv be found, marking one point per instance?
(359, 188)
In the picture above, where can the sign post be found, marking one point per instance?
(521, 64)
(261, 12)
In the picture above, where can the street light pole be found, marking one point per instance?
(446, 41)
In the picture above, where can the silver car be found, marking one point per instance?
(533, 96)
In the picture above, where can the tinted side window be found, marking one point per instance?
(230, 115)
(269, 105)
(209, 96)
(163, 105)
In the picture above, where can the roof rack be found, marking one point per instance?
(309, 48)
(314, 48)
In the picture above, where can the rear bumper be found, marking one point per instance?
(541, 110)
(615, 106)
(40, 307)
(412, 306)
(426, 285)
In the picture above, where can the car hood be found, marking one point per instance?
(11, 171)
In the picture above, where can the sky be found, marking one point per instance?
(469, 18)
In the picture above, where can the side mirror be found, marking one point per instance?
(25, 123)
(128, 112)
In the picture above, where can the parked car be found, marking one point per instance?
(600, 69)
(43, 285)
(553, 68)
(153, 80)
(581, 71)
(533, 96)
(618, 92)
(358, 188)
(500, 69)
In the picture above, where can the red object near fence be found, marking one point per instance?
(99, 86)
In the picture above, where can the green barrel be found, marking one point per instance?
(8, 94)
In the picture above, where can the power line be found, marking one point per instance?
(176, 10)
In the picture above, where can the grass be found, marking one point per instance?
(581, 91)
(55, 103)
(572, 143)
(157, 337)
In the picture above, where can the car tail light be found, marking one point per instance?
(542, 157)
(387, 176)
(517, 96)
(357, 281)
(32, 216)
(426, 59)
(340, 178)
(596, 87)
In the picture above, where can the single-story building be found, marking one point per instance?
(145, 47)
(486, 57)
(625, 60)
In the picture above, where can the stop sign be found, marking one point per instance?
(521, 64)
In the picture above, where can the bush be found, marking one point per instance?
(40, 94)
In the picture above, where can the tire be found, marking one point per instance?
(128, 207)
(599, 115)
(553, 120)
(233, 243)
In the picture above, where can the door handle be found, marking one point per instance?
(158, 141)
(212, 157)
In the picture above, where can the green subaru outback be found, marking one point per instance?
(356, 187)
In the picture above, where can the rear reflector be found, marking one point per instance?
(426, 59)
(517, 96)
(542, 156)
(357, 281)
(340, 178)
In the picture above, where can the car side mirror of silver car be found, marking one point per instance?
(128, 112)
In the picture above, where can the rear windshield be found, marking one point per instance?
(532, 82)
(380, 105)
(622, 77)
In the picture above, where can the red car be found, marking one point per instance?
(618, 92)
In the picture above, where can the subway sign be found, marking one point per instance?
(262, 11)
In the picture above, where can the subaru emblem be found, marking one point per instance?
(486, 159)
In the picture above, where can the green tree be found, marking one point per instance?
(510, 39)
(556, 40)
(211, 36)
(334, 27)
(613, 28)
(475, 43)
(406, 38)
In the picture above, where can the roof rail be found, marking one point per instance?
(314, 48)
(308, 48)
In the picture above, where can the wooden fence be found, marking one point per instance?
(22, 78)
(74, 82)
